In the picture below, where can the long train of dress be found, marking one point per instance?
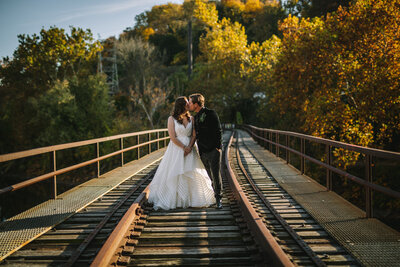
(181, 181)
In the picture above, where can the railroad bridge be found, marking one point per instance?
(278, 210)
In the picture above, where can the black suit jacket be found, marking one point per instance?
(208, 130)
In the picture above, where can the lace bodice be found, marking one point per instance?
(181, 130)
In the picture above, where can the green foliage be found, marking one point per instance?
(239, 118)
(313, 8)
(165, 26)
(46, 86)
(143, 78)
(70, 111)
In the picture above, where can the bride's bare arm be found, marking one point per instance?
(172, 134)
(193, 139)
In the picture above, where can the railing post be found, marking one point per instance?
(302, 150)
(97, 156)
(287, 148)
(158, 140)
(165, 140)
(55, 176)
(368, 191)
(270, 143)
(138, 149)
(149, 139)
(329, 172)
(121, 147)
(264, 142)
(276, 146)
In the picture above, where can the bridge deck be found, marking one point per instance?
(369, 240)
(26, 226)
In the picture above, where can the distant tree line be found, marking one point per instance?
(327, 68)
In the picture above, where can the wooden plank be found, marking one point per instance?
(338, 259)
(190, 229)
(326, 248)
(48, 254)
(190, 218)
(171, 252)
(65, 226)
(190, 243)
(298, 227)
(303, 234)
(78, 231)
(190, 223)
(90, 220)
(225, 235)
(242, 261)
(191, 213)
(68, 238)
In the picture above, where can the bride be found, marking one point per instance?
(181, 180)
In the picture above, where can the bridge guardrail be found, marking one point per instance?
(97, 159)
(267, 137)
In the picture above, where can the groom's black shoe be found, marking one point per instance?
(219, 204)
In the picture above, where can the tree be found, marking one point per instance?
(40, 63)
(73, 110)
(314, 8)
(142, 76)
(223, 47)
(338, 77)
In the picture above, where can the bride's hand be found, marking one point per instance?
(187, 150)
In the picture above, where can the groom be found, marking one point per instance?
(209, 140)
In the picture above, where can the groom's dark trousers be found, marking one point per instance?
(212, 163)
(209, 140)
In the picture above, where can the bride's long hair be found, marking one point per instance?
(180, 111)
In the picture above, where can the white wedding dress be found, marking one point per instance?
(181, 181)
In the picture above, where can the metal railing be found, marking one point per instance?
(269, 138)
(96, 142)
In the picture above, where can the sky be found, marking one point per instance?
(104, 18)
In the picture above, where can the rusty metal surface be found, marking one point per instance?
(109, 248)
(310, 253)
(265, 239)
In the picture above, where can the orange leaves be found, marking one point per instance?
(147, 32)
(340, 76)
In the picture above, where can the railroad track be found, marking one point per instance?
(258, 226)
(304, 241)
(184, 237)
(76, 241)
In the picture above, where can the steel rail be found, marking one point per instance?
(356, 148)
(71, 168)
(74, 257)
(354, 178)
(262, 235)
(313, 256)
(106, 254)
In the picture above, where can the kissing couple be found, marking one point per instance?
(189, 174)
